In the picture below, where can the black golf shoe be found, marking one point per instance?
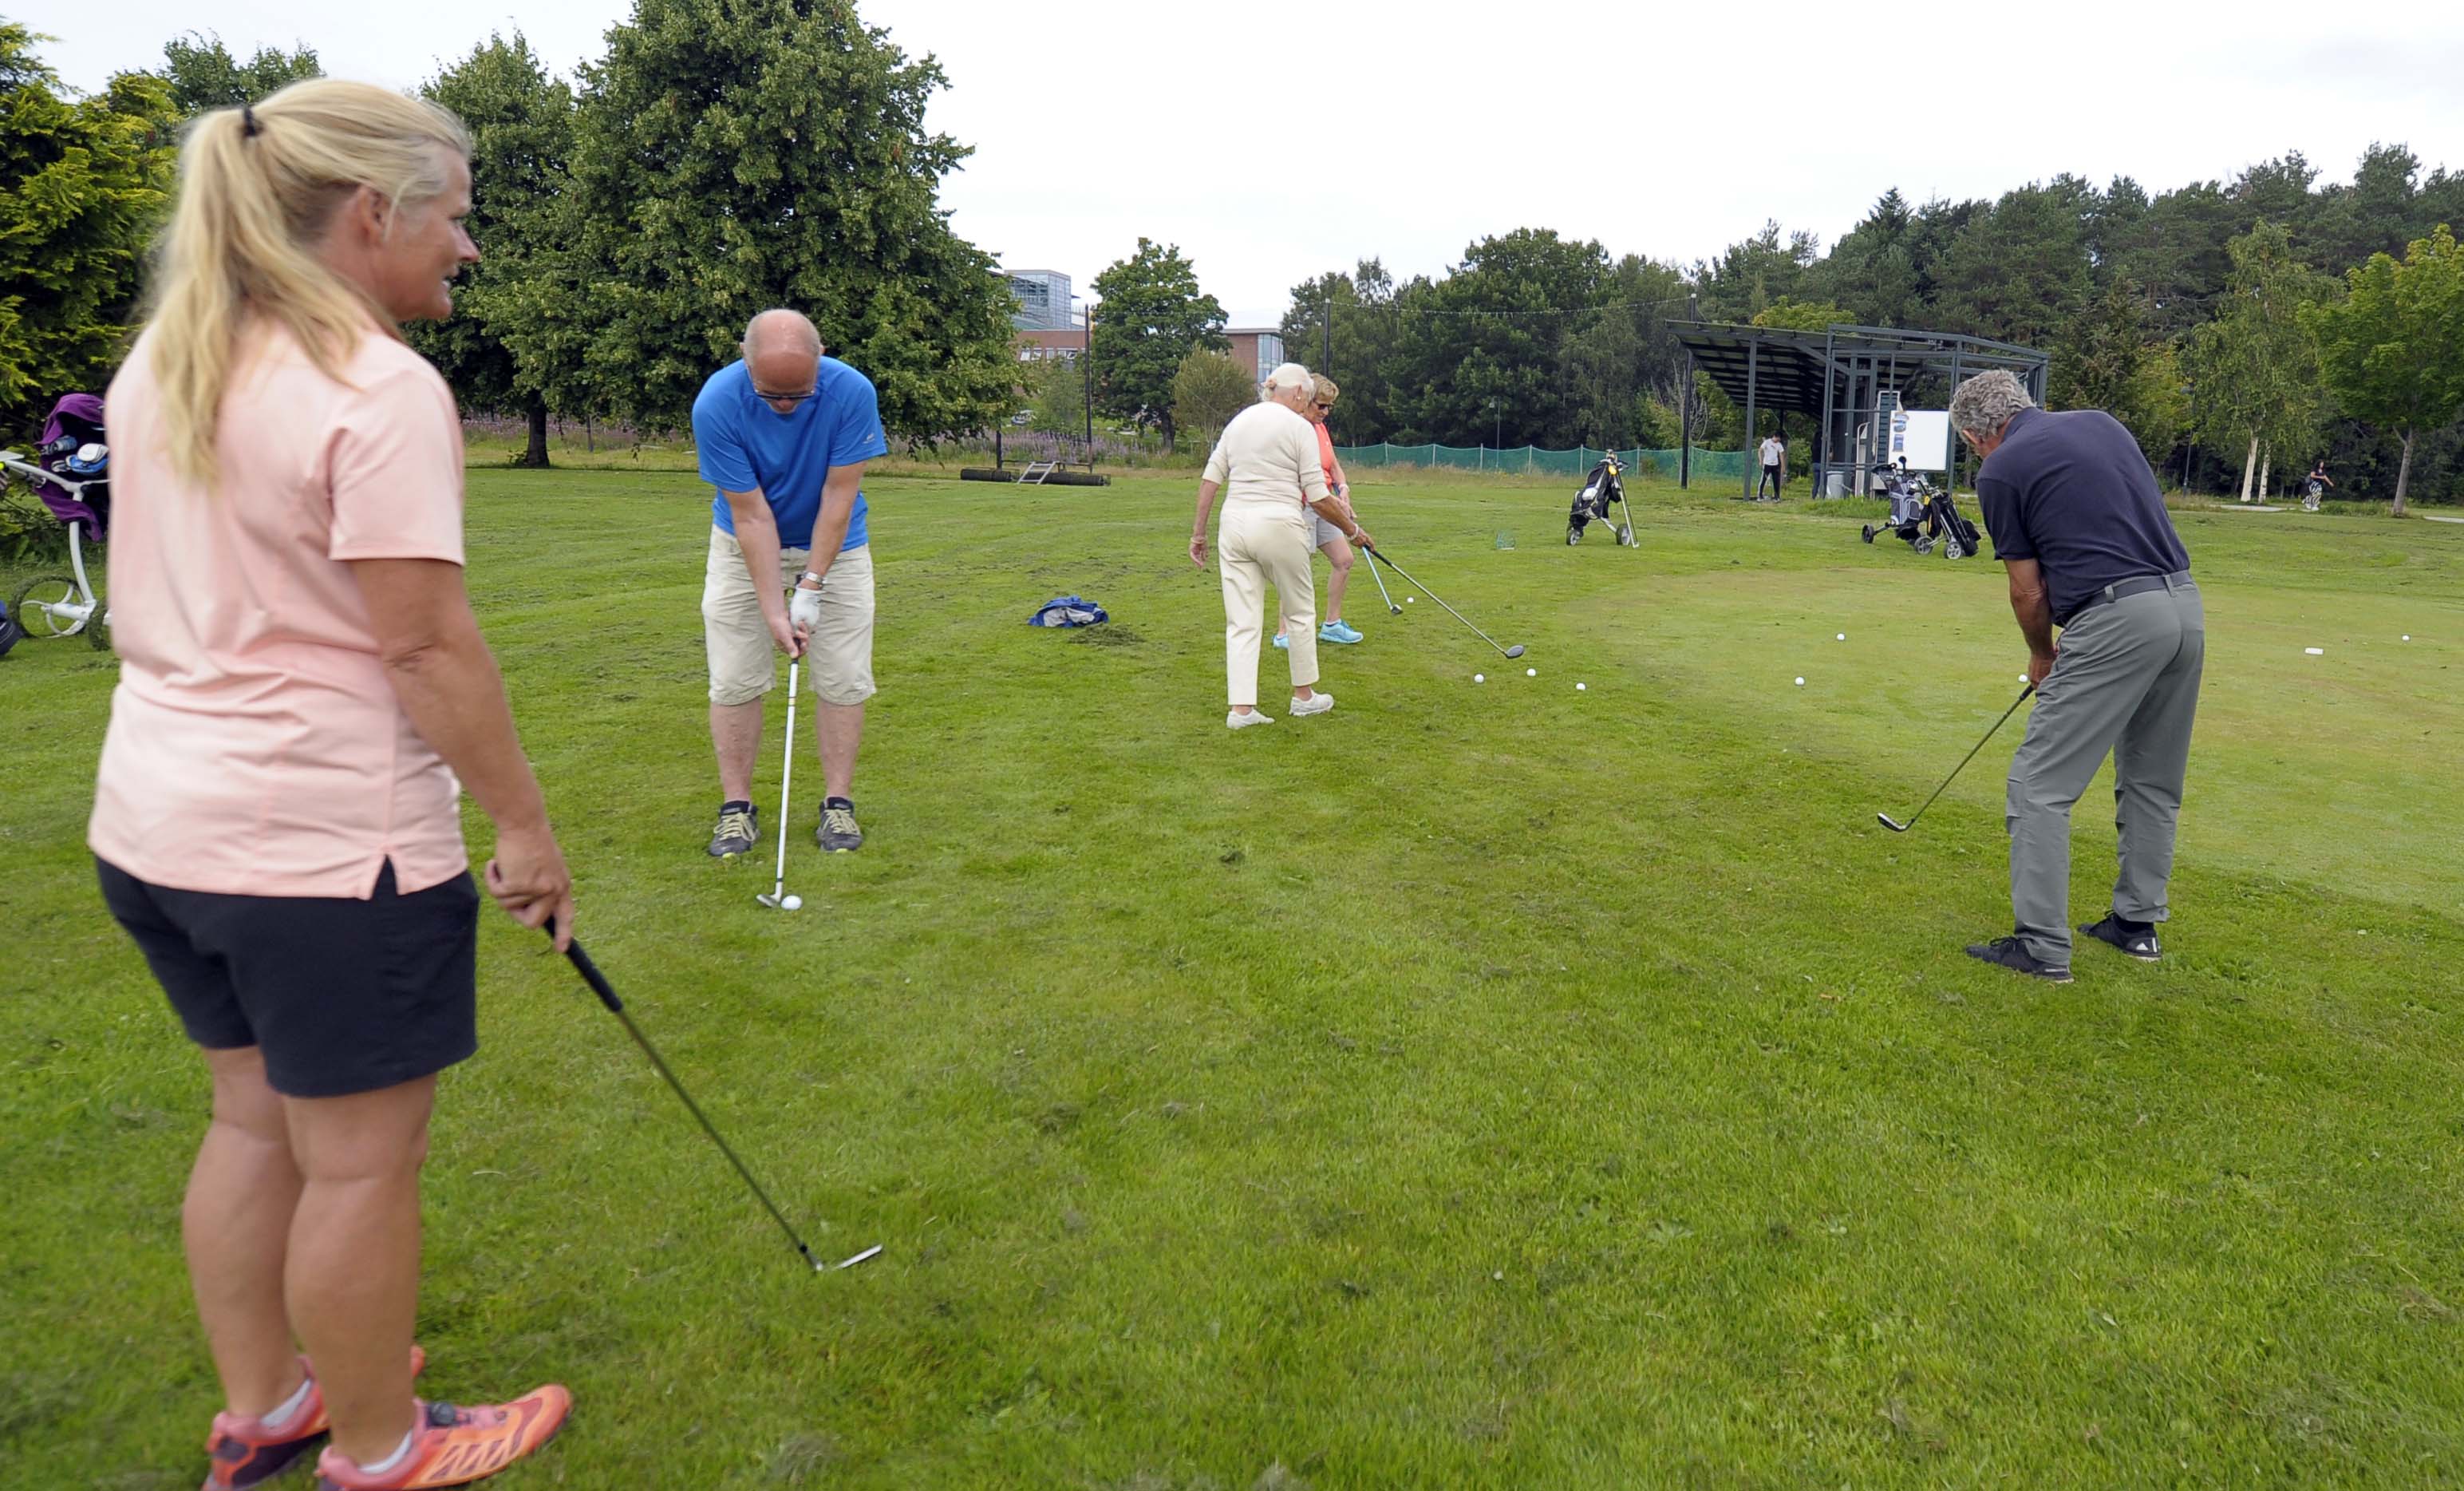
(2008, 952)
(2138, 939)
(837, 833)
(739, 828)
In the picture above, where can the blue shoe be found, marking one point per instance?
(1338, 632)
(1282, 640)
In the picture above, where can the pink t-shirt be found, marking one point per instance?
(256, 747)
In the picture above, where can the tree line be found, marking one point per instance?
(722, 157)
(2240, 330)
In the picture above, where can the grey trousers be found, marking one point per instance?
(2126, 680)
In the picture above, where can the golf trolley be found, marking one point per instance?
(1922, 516)
(1605, 484)
(2311, 489)
(70, 472)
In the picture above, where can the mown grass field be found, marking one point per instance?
(1484, 1086)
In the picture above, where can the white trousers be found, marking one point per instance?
(1265, 543)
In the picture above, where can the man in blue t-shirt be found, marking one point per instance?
(784, 434)
(2078, 520)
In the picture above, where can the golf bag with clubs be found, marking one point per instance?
(1924, 516)
(70, 472)
(1605, 484)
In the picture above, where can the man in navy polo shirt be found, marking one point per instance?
(782, 435)
(2076, 519)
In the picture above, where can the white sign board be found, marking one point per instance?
(1922, 437)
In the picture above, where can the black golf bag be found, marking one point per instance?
(1603, 486)
(1923, 517)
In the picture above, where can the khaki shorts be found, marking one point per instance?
(838, 655)
(1321, 532)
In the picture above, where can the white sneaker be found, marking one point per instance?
(1316, 703)
(1240, 721)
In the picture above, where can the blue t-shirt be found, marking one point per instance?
(745, 445)
(2073, 492)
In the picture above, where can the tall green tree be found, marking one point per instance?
(733, 155)
(204, 75)
(2255, 367)
(1056, 394)
(1152, 315)
(2019, 272)
(83, 183)
(1209, 388)
(1365, 306)
(1484, 355)
(518, 339)
(2394, 348)
(1748, 275)
(2107, 362)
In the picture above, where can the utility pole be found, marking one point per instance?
(1087, 383)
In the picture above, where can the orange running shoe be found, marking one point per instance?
(456, 1446)
(243, 1452)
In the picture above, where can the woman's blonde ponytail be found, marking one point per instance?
(258, 188)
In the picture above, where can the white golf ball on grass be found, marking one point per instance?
(1800, 683)
(1532, 672)
(1480, 678)
(793, 903)
(1579, 687)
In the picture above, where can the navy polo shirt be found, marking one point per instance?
(2073, 492)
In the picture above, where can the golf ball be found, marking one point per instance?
(793, 903)
(1409, 599)
(1843, 636)
(1480, 678)
(1800, 683)
(2408, 637)
(1579, 687)
(1532, 672)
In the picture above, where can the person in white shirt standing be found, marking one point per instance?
(1775, 466)
(1266, 466)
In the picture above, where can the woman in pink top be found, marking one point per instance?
(276, 819)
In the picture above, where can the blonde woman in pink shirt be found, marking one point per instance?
(276, 819)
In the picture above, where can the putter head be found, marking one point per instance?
(1516, 650)
(1891, 823)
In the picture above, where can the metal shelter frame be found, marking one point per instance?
(1839, 376)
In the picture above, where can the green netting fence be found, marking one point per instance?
(1533, 461)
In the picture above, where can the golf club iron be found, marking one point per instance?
(1391, 607)
(606, 993)
(1897, 827)
(1378, 556)
(786, 777)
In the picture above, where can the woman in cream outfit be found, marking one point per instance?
(1266, 466)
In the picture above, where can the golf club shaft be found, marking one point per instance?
(1441, 600)
(1391, 607)
(606, 993)
(1971, 753)
(786, 777)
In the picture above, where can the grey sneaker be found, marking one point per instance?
(837, 833)
(739, 828)
(2008, 952)
(2139, 945)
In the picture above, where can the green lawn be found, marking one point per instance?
(1482, 1085)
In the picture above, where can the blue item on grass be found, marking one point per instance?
(1069, 610)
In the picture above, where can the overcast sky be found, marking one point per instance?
(1273, 143)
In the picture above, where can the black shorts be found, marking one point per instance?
(341, 995)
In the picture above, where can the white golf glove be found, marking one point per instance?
(805, 610)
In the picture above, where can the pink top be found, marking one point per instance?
(256, 745)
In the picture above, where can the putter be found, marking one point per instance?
(1381, 588)
(1897, 827)
(775, 899)
(606, 993)
(1379, 556)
